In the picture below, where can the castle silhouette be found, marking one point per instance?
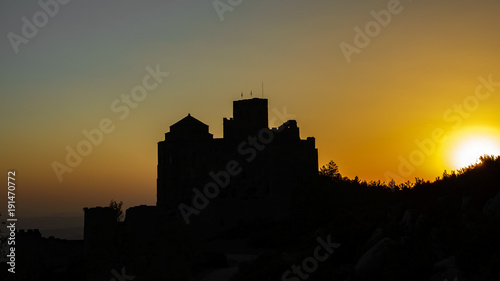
(270, 163)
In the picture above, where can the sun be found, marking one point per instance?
(469, 148)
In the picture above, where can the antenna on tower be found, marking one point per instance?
(262, 89)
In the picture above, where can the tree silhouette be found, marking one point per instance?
(331, 170)
(117, 209)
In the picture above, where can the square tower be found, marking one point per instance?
(249, 116)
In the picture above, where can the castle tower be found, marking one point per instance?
(183, 161)
(249, 116)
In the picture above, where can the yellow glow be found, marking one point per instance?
(469, 145)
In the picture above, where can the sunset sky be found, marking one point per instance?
(422, 86)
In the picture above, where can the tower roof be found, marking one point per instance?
(188, 128)
(189, 122)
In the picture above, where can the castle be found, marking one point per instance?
(270, 162)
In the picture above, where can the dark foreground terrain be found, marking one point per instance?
(338, 229)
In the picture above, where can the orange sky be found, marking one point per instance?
(366, 114)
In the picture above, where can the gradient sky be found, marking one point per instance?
(365, 115)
